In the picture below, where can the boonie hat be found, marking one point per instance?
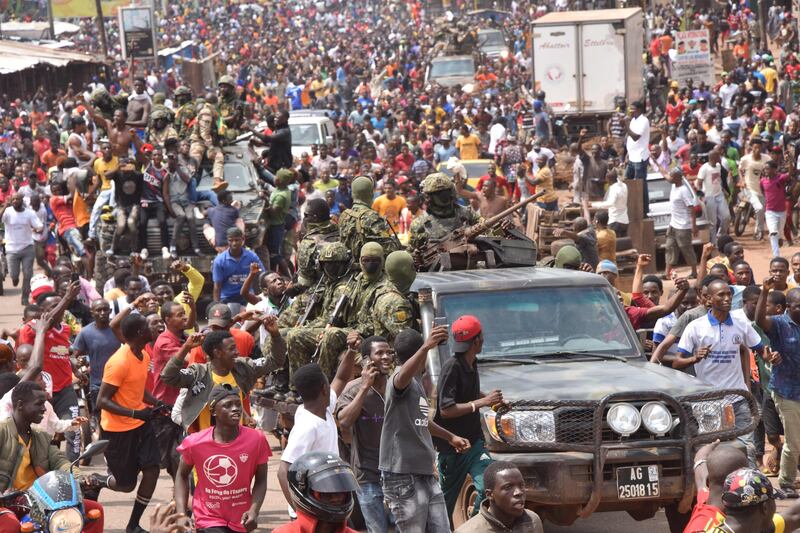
(464, 329)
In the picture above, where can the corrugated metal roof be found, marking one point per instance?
(597, 15)
(15, 57)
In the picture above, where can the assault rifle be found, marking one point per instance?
(458, 240)
(334, 321)
(313, 300)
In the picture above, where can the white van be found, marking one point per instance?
(311, 127)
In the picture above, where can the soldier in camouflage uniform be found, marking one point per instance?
(159, 102)
(160, 128)
(318, 230)
(102, 101)
(443, 214)
(334, 261)
(205, 141)
(186, 112)
(371, 277)
(392, 309)
(231, 111)
(361, 224)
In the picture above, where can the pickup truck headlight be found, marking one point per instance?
(522, 427)
(712, 416)
(504, 54)
(656, 418)
(624, 419)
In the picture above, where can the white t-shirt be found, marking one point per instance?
(532, 155)
(661, 330)
(616, 201)
(19, 228)
(639, 151)
(726, 92)
(496, 133)
(681, 201)
(710, 179)
(312, 434)
(722, 367)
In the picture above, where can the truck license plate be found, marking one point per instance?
(637, 482)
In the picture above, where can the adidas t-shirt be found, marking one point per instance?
(406, 444)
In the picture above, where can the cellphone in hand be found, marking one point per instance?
(440, 321)
(74, 277)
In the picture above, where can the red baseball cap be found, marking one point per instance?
(464, 329)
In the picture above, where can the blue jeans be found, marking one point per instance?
(742, 417)
(105, 197)
(199, 196)
(416, 502)
(74, 240)
(548, 206)
(275, 236)
(370, 499)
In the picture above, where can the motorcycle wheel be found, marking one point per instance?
(741, 218)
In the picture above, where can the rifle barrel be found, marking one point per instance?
(489, 222)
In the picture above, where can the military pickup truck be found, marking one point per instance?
(590, 423)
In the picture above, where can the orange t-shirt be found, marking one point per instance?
(80, 210)
(129, 374)
(244, 344)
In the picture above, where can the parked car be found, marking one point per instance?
(310, 127)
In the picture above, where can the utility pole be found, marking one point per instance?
(101, 26)
(50, 20)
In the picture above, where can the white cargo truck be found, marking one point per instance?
(583, 60)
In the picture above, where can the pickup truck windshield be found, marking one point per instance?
(491, 38)
(452, 67)
(543, 321)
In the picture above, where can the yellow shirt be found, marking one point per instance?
(771, 75)
(204, 420)
(469, 146)
(102, 168)
(390, 209)
(607, 245)
(25, 475)
(546, 183)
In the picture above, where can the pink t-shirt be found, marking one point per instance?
(775, 192)
(225, 475)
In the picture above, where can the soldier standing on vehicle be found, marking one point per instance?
(186, 111)
(443, 215)
(206, 142)
(361, 224)
(318, 230)
(458, 410)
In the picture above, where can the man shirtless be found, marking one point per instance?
(487, 201)
(139, 105)
(120, 134)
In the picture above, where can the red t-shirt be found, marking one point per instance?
(674, 112)
(165, 347)
(56, 352)
(637, 313)
(225, 472)
(243, 340)
(63, 213)
(703, 515)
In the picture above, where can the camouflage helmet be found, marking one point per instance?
(157, 114)
(226, 80)
(183, 90)
(438, 181)
(98, 93)
(334, 251)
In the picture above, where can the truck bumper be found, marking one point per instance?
(564, 478)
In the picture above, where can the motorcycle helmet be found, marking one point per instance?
(318, 472)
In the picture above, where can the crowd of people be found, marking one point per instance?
(324, 319)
